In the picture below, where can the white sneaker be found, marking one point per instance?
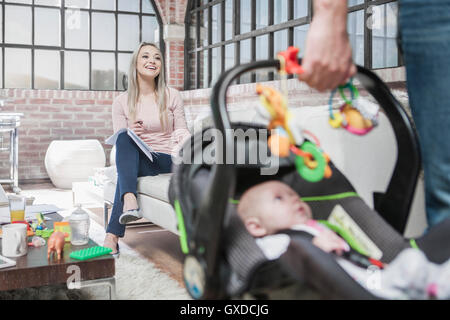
(130, 216)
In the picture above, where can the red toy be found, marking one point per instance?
(56, 244)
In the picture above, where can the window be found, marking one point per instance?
(72, 44)
(225, 33)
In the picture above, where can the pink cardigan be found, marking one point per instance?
(176, 131)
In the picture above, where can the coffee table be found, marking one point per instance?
(35, 270)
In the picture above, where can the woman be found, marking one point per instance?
(155, 113)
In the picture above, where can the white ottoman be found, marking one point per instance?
(68, 161)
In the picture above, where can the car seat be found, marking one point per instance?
(222, 260)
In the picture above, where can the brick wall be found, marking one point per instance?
(55, 115)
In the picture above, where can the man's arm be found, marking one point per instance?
(327, 62)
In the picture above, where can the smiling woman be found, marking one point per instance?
(155, 113)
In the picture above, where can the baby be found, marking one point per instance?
(271, 207)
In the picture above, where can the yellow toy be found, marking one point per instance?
(311, 162)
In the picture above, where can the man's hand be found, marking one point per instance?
(138, 127)
(327, 61)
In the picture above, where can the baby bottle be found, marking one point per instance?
(79, 224)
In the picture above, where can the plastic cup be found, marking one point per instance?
(17, 206)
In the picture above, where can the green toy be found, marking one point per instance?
(89, 253)
(44, 233)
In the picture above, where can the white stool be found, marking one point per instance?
(68, 161)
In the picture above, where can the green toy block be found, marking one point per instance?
(89, 253)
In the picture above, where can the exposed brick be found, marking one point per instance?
(83, 116)
(62, 116)
(39, 101)
(84, 131)
(85, 102)
(95, 124)
(62, 131)
(104, 102)
(49, 109)
(61, 101)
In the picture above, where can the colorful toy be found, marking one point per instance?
(311, 162)
(44, 233)
(56, 244)
(357, 115)
(37, 242)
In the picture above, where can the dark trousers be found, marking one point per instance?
(132, 163)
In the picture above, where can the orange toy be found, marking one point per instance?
(56, 244)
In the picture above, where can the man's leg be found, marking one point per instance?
(425, 39)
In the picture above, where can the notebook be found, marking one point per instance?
(146, 149)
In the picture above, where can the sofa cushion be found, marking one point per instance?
(155, 186)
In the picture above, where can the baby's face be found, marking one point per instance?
(281, 207)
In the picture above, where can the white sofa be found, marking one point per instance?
(367, 161)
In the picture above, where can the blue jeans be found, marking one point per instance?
(424, 30)
(132, 163)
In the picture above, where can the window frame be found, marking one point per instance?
(198, 6)
(62, 48)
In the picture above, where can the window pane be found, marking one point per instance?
(216, 64)
(301, 8)
(246, 16)
(384, 32)
(354, 2)
(150, 29)
(229, 56)
(103, 71)
(102, 37)
(355, 28)
(48, 2)
(280, 11)
(17, 68)
(300, 38)
(104, 4)
(128, 30)
(129, 5)
(204, 27)
(262, 53)
(76, 70)
(46, 69)
(77, 29)
(1, 69)
(246, 57)
(216, 24)
(228, 19)
(123, 64)
(262, 16)
(47, 27)
(147, 7)
(77, 3)
(1, 26)
(204, 69)
(19, 1)
(18, 25)
(280, 41)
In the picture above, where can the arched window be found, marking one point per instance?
(224, 33)
(72, 44)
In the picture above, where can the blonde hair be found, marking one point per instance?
(160, 82)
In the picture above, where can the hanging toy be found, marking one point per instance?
(311, 162)
(357, 115)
